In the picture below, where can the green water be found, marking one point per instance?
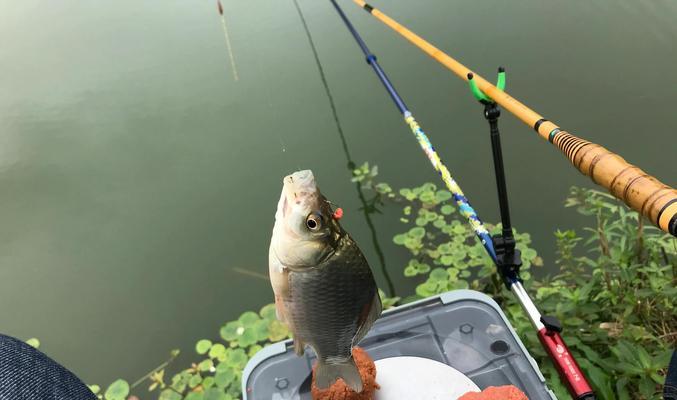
(135, 174)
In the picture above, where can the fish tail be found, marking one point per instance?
(328, 372)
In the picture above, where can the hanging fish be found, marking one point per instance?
(324, 289)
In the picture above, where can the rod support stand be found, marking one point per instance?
(479, 94)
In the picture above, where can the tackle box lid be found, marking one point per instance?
(464, 329)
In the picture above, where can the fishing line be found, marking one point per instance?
(228, 45)
(366, 209)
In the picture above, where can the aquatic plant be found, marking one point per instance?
(614, 293)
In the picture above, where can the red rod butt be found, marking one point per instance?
(566, 366)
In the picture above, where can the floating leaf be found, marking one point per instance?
(268, 312)
(248, 319)
(169, 394)
(203, 346)
(439, 274)
(442, 195)
(447, 209)
(277, 331)
(208, 382)
(217, 351)
(33, 342)
(224, 377)
(118, 390)
(194, 381)
(417, 232)
(205, 365)
(253, 350)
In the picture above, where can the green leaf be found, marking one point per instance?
(216, 394)
(410, 271)
(194, 396)
(229, 332)
(447, 209)
(194, 381)
(248, 338)
(423, 268)
(248, 319)
(203, 346)
(205, 365)
(400, 239)
(224, 378)
(237, 358)
(33, 342)
(442, 195)
(268, 312)
(417, 232)
(439, 274)
(253, 350)
(169, 394)
(277, 331)
(447, 260)
(118, 390)
(217, 351)
(208, 382)
(95, 388)
(647, 388)
(427, 197)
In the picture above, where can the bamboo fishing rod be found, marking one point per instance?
(637, 189)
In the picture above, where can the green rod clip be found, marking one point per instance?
(479, 95)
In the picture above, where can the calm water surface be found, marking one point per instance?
(135, 174)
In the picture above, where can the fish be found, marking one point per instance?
(324, 289)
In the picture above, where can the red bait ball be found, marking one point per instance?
(338, 214)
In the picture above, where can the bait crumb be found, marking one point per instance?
(496, 393)
(340, 391)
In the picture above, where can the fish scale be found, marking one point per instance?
(330, 300)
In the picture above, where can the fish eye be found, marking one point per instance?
(314, 222)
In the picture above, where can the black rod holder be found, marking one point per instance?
(509, 259)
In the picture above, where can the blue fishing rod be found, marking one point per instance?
(501, 249)
(464, 206)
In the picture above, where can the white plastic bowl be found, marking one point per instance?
(416, 378)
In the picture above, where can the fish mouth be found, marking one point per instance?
(299, 190)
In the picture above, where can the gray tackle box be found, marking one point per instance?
(463, 328)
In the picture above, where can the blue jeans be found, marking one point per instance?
(27, 374)
(670, 389)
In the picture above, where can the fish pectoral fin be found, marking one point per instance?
(327, 373)
(299, 346)
(367, 318)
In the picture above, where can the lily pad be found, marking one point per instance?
(268, 312)
(203, 346)
(218, 351)
(248, 319)
(118, 390)
(277, 331)
(447, 209)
